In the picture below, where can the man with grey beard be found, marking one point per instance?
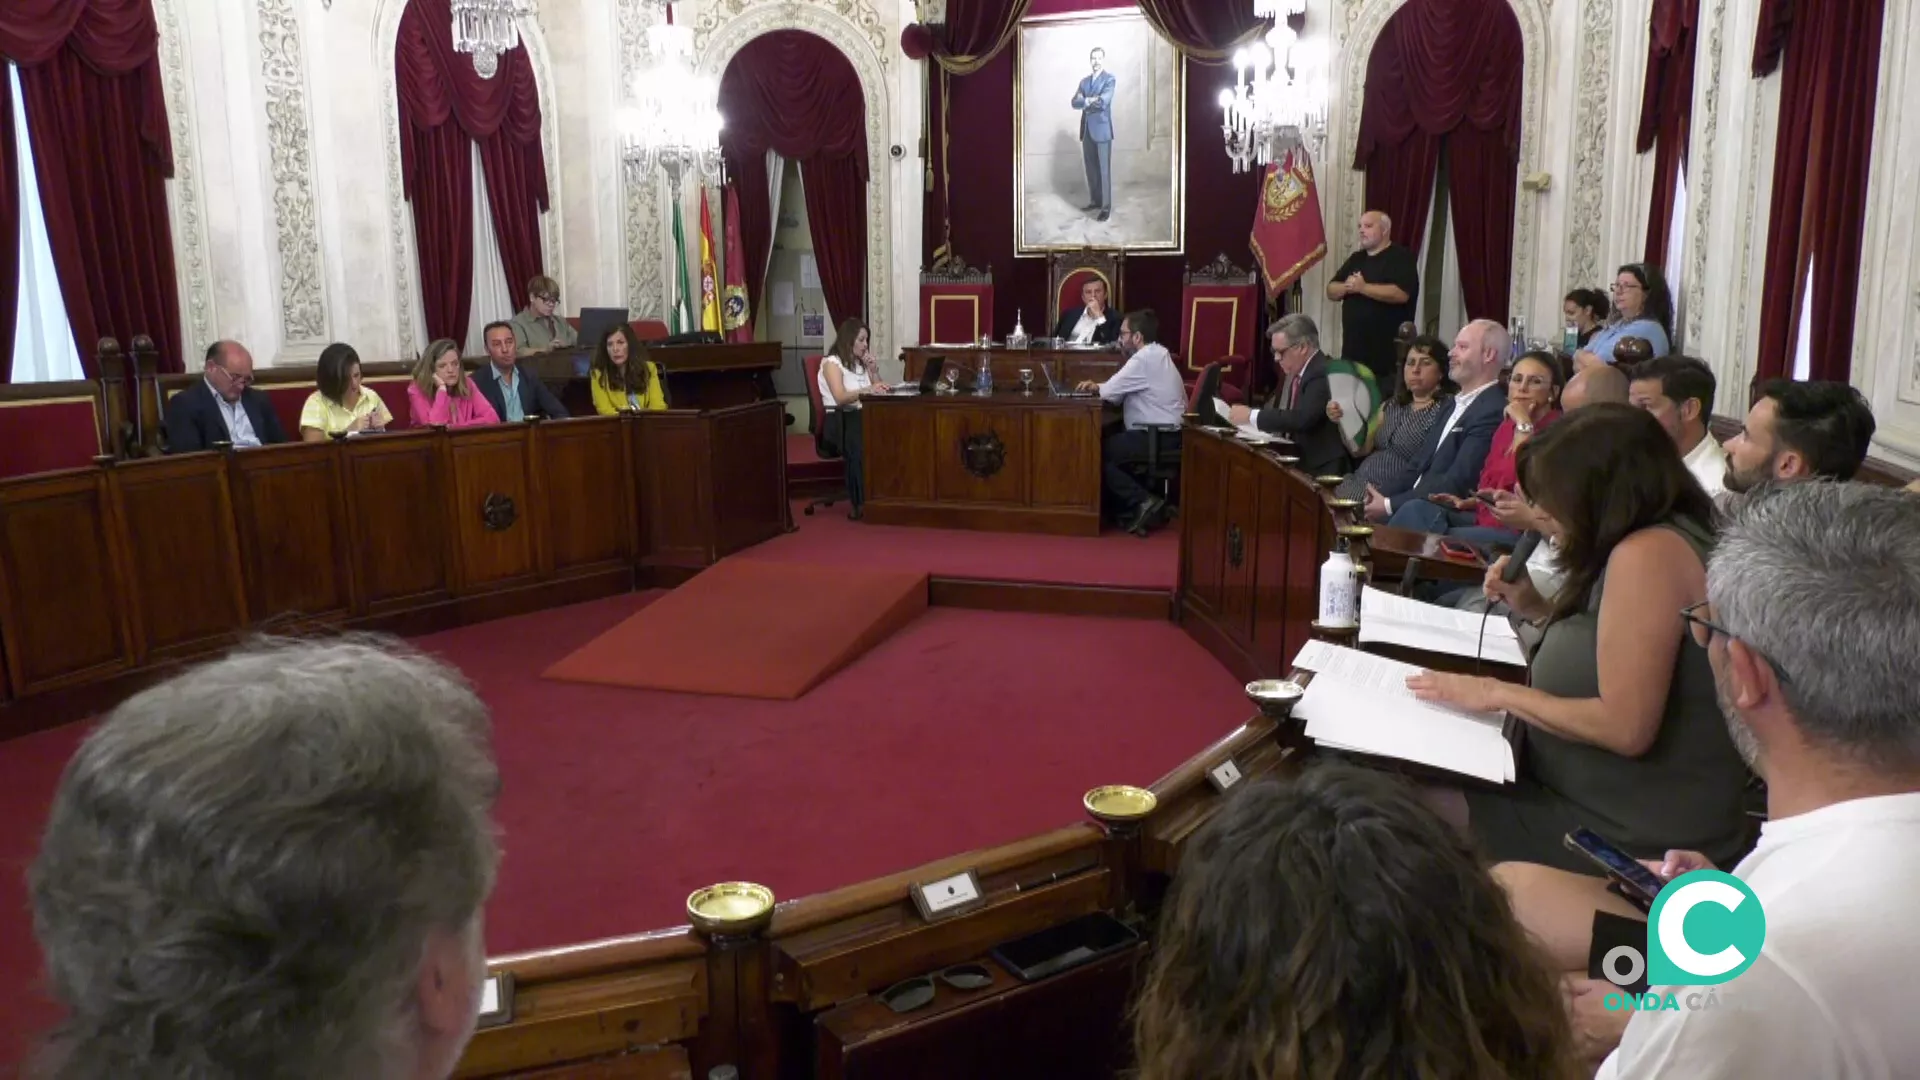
(1811, 623)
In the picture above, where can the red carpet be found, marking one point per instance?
(965, 730)
(1115, 558)
(751, 629)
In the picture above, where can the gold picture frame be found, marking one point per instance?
(1057, 145)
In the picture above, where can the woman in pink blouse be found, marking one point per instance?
(441, 394)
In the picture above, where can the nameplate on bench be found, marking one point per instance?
(496, 1000)
(947, 897)
(1224, 775)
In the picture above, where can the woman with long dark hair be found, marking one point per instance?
(1390, 459)
(1585, 310)
(846, 371)
(1625, 735)
(1642, 308)
(1330, 925)
(622, 378)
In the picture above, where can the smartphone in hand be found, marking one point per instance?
(1634, 879)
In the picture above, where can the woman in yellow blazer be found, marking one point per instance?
(623, 379)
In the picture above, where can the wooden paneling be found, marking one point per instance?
(1099, 601)
(899, 451)
(1203, 520)
(748, 445)
(585, 492)
(61, 592)
(291, 517)
(1056, 440)
(605, 1014)
(953, 482)
(491, 466)
(396, 503)
(671, 454)
(181, 554)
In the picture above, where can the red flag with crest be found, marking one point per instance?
(1289, 236)
(735, 313)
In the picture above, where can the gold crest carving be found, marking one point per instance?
(1286, 190)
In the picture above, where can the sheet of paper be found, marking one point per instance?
(1360, 702)
(1224, 410)
(1397, 620)
(783, 298)
(809, 271)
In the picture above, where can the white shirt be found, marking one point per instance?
(239, 427)
(1460, 403)
(1832, 994)
(1543, 567)
(1708, 464)
(855, 381)
(1148, 388)
(1083, 330)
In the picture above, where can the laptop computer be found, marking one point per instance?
(930, 374)
(594, 324)
(1054, 389)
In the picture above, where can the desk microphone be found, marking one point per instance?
(1522, 551)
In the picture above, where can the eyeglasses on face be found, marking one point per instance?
(546, 298)
(1700, 622)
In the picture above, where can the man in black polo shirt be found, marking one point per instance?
(1377, 286)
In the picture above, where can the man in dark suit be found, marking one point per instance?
(1093, 322)
(1094, 99)
(514, 394)
(1298, 407)
(1457, 449)
(223, 407)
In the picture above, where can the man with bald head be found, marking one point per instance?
(1376, 287)
(1594, 386)
(1457, 448)
(223, 407)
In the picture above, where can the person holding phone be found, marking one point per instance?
(1624, 732)
(1533, 398)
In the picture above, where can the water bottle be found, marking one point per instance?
(983, 382)
(1517, 330)
(1339, 589)
(1570, 339)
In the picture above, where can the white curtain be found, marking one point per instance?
(1452, 313)
(493, 295)
(1677, 252)
(43, 345)
(776, 179)
(1803, 341)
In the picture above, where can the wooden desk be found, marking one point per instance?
(1068, 366)
(121, 568)
(1253, 533)
(1008, 462)
(697, 376)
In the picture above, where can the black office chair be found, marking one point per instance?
(1162, 475)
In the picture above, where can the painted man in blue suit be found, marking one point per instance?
(1094, 99)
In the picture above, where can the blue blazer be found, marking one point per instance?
(535, 398)
(1094, 99)
(1452, 465)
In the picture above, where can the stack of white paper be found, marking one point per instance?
(1396, 620)
(1361, 703)
(1224, 410)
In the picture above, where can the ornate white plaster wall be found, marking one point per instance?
(1886, 335)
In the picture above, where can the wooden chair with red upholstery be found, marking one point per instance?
(50, 425)
(956, 302)
(649, 330)
(1219, 313)
(1069, 271)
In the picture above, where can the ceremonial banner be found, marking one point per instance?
(1289, 236)
(736, 314)
(682, 300)
(709, 274)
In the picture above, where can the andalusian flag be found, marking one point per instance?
(682, 296)
(709, 274)
(735, 303)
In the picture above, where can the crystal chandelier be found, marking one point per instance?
(487, 28)
(1280, 97)
(672, 121)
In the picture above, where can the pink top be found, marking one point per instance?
(445, 409)
(1502, 470)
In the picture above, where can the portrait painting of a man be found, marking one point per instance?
(1105, 171)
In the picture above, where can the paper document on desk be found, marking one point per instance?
(1360, 702)
(1397, 620)
(1224, 411)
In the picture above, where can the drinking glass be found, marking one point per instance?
(952, 375)
(1026, 381)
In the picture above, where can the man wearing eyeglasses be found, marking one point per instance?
(1298, 408)
(538, 327)
(223, 407)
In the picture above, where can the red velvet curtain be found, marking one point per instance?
(445, 107)
(9, 229)
(1666, 105)
(1830, 67)
(1205, 30)
(794, 93)
(90, 83)
(1448, 70)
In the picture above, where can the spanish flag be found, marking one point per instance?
(1289, 235)
(709, 275)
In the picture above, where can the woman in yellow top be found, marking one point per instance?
(623, 379)
(341, 406)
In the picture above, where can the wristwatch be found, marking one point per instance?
(1524, 429)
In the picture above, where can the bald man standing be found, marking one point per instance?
(1377, 287)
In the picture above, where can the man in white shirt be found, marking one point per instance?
(223, 407)
(1813, 606)
(1150, 395)
(1678, 392)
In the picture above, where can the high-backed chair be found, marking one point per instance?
(817, 423)
(1067, 271)
(50, 425)
(956, 302)
(649, 329)
(1219, 313)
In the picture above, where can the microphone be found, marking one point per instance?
(1522, 551)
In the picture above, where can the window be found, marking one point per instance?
(43, 345)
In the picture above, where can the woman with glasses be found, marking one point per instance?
(538, 327)
(341, 406)
(1533, 402)
(1642, 308)
(1625, 735)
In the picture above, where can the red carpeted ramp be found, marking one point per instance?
(751, 629)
